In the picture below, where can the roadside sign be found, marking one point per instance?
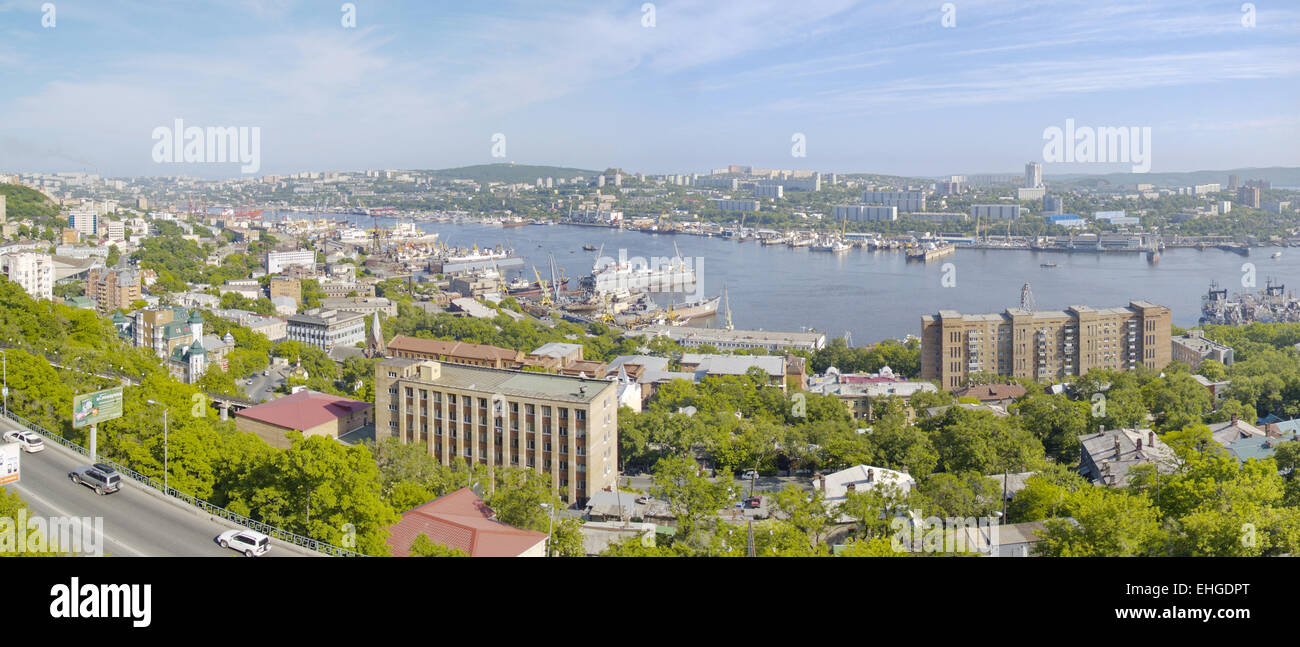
(93, 408)
(9, 456)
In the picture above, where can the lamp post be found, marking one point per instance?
(4, 358)
(165, 488)
(550, 520)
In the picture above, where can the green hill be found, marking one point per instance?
(510, 173)
(22, 203)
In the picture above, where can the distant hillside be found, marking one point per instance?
(1278, 175)
(510, 173)
(22, 203)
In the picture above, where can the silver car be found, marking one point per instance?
(102, 478)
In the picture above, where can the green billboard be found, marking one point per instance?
(93, 408)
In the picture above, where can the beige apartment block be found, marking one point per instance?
(1043, 345)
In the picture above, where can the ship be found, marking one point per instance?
(589, 248)
(667, 277)
(693, 309)
(930, 251)
(1274, 305)
(831, 245)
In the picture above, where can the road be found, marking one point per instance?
(138, 522)
(258, 390)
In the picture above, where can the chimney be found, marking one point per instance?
(1139, 444)
(1151, 438)
(1234, 419)
(822, 481)
(1116, 437)
(871, 476)
(852, 487)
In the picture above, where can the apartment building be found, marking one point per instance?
(1043, 345)
(326, 329)
(995, 211)
(283, 286)
(334, 289)
(277, 262)
(903, 200)
(864, 213)
(563, 426)
(112, 289)
(32, 271)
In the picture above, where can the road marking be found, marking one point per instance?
(62, 512)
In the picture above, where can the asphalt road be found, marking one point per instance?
(137, 522)
(258, 389)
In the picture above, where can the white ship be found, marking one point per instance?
(673, 276)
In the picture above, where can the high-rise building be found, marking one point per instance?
(3, 213)
(86, 222)
(1234, 182)
(559, 425)
(1052, 205)
(906, 201)
(33, 272)
(1033, 175)
(995, 211)
(1043, 345)
(1248, 196)
(112, 289)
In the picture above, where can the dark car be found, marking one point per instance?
(102, 478)
(754, 502)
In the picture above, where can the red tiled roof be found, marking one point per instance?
(304, 409)
(461, 520)
(451, 348)
(988, 392)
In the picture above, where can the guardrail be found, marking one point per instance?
(251, 524)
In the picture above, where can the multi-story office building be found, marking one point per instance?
(1043, 345)
(563, 426)
(1051, 205)
(1234, 182)
(1027, 194)
(765, 189)
(904, 200)
(112, 289)
(995, 211)
(864, 213)
(1033, 175)
(85, 221)
(1248, 196)
(276, 262)
(348, 288)
(326, 329)
(33, 272)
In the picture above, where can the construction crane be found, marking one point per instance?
(546, 294)
(607, 315)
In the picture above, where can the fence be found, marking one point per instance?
(251, 524)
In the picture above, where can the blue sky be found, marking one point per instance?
(874, 86)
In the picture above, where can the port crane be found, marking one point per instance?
(546, 294)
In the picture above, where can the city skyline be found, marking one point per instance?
(887, 88)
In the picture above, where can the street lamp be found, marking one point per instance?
(4, 358)
(165, 488)
(550, 520)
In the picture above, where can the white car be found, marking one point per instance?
(30, 441)
(751, 474)
(248, 542)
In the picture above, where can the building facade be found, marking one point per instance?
(112, 289)
(325, 329)
(1193, 348)
(995, 211)
(32, 271)
(563, 426)
(276, 262)
(1044, 345)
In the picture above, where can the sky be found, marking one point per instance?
(909, 87)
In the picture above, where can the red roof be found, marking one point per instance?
(304, 409)
(461, 520)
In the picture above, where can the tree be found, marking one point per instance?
(874, 508)
(1100, 522)
(693, 498)
(808, 512)
(425, 547)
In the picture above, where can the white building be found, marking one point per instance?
(85, 221)
(904, 200)
(865, 213)
(33, 272)
(276, 262)
(1033, 175)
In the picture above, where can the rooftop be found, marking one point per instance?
(461, 520)
(439, 347)
(525, 384)
(303, 410)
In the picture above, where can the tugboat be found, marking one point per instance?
(589, 248)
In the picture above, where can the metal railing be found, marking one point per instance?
(251, 524)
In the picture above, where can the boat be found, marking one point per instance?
(589, 248)
(1277, 254)
(800, 242)
(693, 310)
(1047, 264)
(930, 251)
